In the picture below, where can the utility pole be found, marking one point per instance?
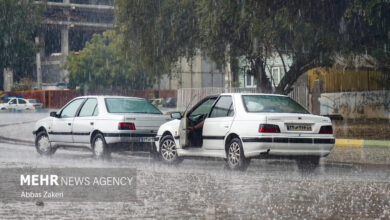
(38, 63)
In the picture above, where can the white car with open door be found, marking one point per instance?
(101, 123)
(239, 127)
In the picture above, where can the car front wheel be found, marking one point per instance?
(235, 156)
(168, 150)
(43, 145)
(100, 147)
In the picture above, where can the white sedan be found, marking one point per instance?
(17, 104)
(239, 127)
(101, 123)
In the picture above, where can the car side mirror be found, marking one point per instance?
(176, 115)
(53, 114)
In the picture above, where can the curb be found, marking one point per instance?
(361, 143)
(17, 141)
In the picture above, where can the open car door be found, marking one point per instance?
(197, 114)
(183, 132)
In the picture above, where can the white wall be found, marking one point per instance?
(366, 104)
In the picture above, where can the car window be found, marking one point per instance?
(32, 101)
(13, 101)
(277, 104)
(203, 108)
(223, 107)
(22, 101)
(88, 108)
(123, 105)
(71, 109)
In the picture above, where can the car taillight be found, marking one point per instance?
(126, 126)
(326, 129)
(268, 128)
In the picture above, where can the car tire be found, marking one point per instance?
(308, 163)
(168, 151)
(100, 148)
(43, 145)
(235, 158)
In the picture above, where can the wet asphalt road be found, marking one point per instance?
(199, 189)
(352, 183)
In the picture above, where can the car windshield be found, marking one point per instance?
(121, 105)
(277, 104)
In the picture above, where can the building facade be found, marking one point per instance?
(274, 70)
(198, 72)
(66, 27)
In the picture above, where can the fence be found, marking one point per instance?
(58, 98)
(335, 80)
(300, 95)
(49, 98)
(146, 94)
(189, 97)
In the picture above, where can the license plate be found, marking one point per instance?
(146, 139)
(298, 127)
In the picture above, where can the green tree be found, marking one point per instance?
(157, 33)
(367, 30)
(100, 66)
(18, 24)
(311, 33)
(304, 31)
(23, 84)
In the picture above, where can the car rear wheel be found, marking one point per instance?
(168, 150)
(43, 145)
(235, 156)
(100, 148)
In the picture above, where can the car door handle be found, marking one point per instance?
(69, 124)
(226, 126)
(91, 123)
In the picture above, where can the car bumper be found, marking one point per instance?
(287, 146)
(157, 142)
(112, 138)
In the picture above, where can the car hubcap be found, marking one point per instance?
(234, 153)
(98, 147)
(168, 150)
(44, 144)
